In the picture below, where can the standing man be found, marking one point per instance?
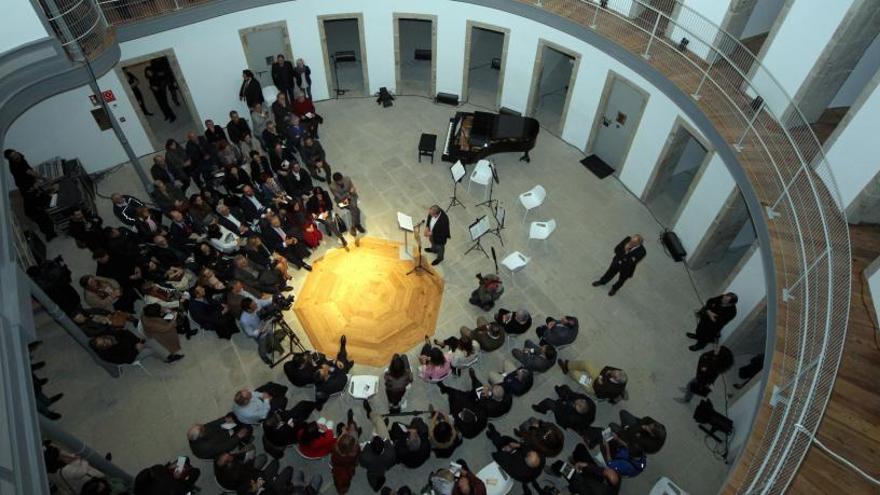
(437, 229)
(302, 73)
(250, 92)
(627, 255)
(34, 198)
(345, 194)
(134, 83)
(717, 312)
(710, 366)
(282, 76)
(159, 86)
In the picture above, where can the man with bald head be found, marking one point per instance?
(627, 255)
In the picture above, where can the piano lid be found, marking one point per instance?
(509, 127)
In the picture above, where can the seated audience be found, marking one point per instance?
(571, 410)
(282, 427)
(398, 377)
(301, 368)
(644, 434)
(464, 351)
(223, 435)
(125, 208)
(411, 442)
(492, 399)
(119, 347)
(516, 380)
(544, 437)
(379, 455)
(515, 323)
(559, 332)
(166, 479)
(331, 377)
(588, 477)
(210, 314)
(236, 471)
(468, 483)
(253, 407)
(520, 462)
(490, 336)
(315, 440)
(86, 229)
(435, 364)
(608, 384)
(533, 357)
(443, 435)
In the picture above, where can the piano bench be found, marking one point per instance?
(427, 146)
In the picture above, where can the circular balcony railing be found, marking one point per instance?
(788, 171)
(80, 26)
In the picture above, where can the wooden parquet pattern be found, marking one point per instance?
(809, 221)
(367, 295)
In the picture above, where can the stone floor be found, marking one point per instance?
(143, 419)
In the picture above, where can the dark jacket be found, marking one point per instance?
(514, 464)
(378, 464)
(124, 352)
(411, 458)
(167, 174)
(238, 130)
(251, 92)
(126, 212)
(627, 261)
(304, 73)
(282, 75)
(708, 330)
(518, 382)
(440, 232)
(561, 333)
(214, 440)
(606, 389)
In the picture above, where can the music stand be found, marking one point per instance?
(419, 267)
(477, 230)
(499, 214)
(458, 172)
(491, 203)
(339, 91)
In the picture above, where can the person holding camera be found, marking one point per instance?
(256, 327)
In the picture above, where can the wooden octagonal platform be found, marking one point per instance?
(367, 295)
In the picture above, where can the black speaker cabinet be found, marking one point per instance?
(509, 111)
(345, 56)
(447, 98)
(422, 54)
(673, 245)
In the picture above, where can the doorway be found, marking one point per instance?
(683, 159)
(728, 241)
(616, 122)
(261, 45)
(415, 46)
(485, 58)
(164, 103)
(345, 55)
(553, 77)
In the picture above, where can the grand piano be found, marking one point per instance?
(474, 136)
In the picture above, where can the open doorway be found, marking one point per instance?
(261, 45)
(552, 80)
(616, 122)
(729, 239)
(485, 56)
(683, 159)
(164, 102)
(345, 55)
(415, 46)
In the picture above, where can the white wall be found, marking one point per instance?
(793, 51)
(862, 73)
(853, 154)
(762, 18)
(63, 126)
(693, 25)
(741, 413)
(749, 286)
(19, 24)
(709, 196)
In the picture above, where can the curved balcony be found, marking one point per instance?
(787, 169)
(80, 26)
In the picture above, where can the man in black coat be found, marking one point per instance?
(250, 92)
(237, 128)
(170, 175)
(283, 76)
(125, 206)
(572, 410)
(520, 462)
(222, 435)
(411, 443)
(709, 367)
(437, 229)
(211, 315)
(717, 312)
(627, 255)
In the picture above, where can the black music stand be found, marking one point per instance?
(458, 172)
(345, 56)
(280, 330)
(419, 267)
(491, 202)
(500, 214)
(477, 230)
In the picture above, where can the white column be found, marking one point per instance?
(794, 45)
(705, 203)
(750, 286)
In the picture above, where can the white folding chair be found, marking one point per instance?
(515, 261)
(496, 480)
(665, 486)
(481, 174)
(532, 199)
(541, 230)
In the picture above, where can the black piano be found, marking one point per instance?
(474, 136)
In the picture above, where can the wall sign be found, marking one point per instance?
(108, 95)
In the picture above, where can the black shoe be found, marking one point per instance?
(55, 398)
(491, 428)
(691, 335)
(108, 456)
(174, 357)
(54, 416)
(430, 250)
(33, 345)
(695, 347)
(39, 365)
(307, 266)
(148, 114)
(472, 373)
(538, 409)
(361, 229)
(559, 390)
(597, 283)
(342, 341)
(612, 291)
(563, 364)
(286, 289)
(42, 381)
(436, 262)
(350, 415)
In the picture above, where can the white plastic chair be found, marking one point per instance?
(362, 386)
(541, 230)
(665, 486)
(269, 94)
(501, 483)
(481, 174)
(515, 261)
(532, 199)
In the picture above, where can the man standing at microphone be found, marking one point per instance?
(437, 229)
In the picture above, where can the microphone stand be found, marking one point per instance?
(419, 267)
(454, 201)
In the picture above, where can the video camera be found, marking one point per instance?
(273, 311)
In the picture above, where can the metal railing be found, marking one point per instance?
(787, 168)
(125, 11)
(80, 26)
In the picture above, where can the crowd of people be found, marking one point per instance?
(235, 211)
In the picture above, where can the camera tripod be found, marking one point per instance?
(280, 330)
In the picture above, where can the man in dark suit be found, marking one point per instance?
(279, 240)
(211, 315)
(571, 410)
(717, 312)
(627, 255)
(282, 76)
(124, 207)
(222, 435)
(250, 92)
(437, 229)
(559, 332)
(168, 173)
(251, 204)
(519, 461)
(411, 443)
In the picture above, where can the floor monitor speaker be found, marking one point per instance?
(509, 111)
(422, 54)
(447, 98)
